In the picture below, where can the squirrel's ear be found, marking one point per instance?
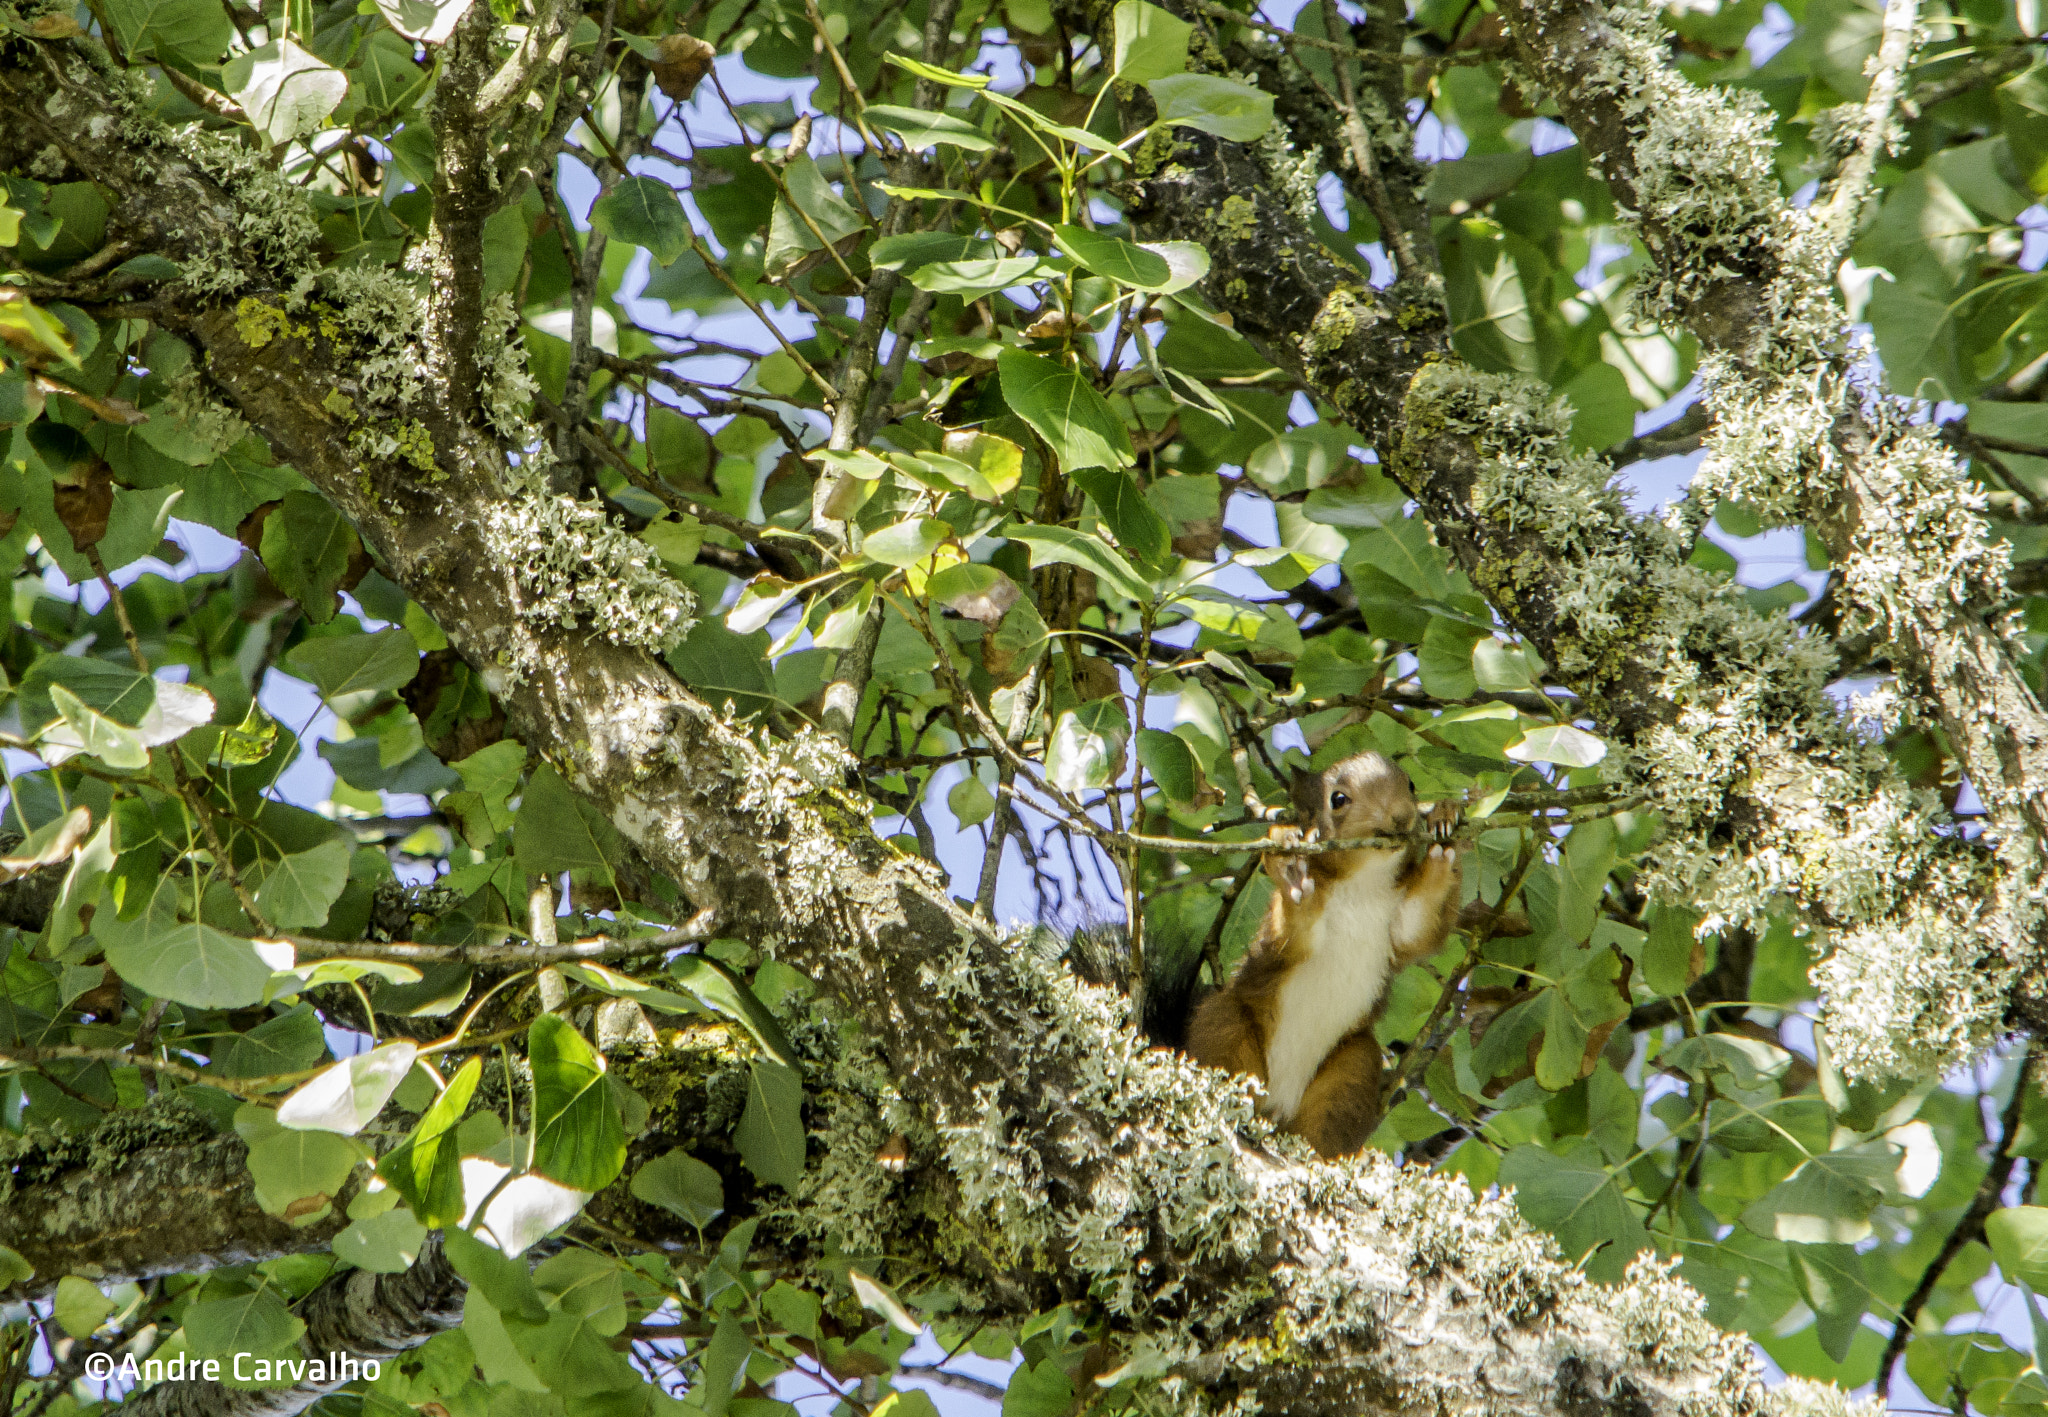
(1305, 790)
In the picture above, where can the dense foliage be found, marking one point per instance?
(903, 432)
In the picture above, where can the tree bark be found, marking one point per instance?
(1076, 1162)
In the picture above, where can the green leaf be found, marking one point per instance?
(1040, 1389)
(191, 32)
(1831, 1277)
(970, 802)
(1186, 263)
(289, 1042)
(356, 664)
(797, 1310)
(938, 75)
(922, 128)
(1445, 657)
(647, 213)
(14, 1269)
(385, 1243)
(1087, 748)
(579, 1138)
(793, 247)
(505, 1281)
(1113, 258)
(1065, 410)
(1500, 668)
(80, 1306)
(306, 547)
(285, 90)
(1067, 546)
(1749, 1062)
(1150, 43)
(255, 1323)
(1229, 110)
(909, 250)
(907, 542)
(426, 1168)
(297, 1174)
(1667, 955)
(1139, 530)
(429, 21)
(2018, 1237)
(92, 734)
(679, 1182)
(1573, 1196)
(347, 1096)
(556, 832)
(192, 964)
(714, 986)
(1172, 765)
(297, 892)
(723, 1366)
(1558, 743)
(878, 1299)
(770, 1136)
(975, 279)
(1827, 1200)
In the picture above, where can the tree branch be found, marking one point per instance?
(1030, 1102)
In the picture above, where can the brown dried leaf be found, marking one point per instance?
(988, 606)
(1096, 679)
(684, 61)
(955, 362)
(84, 505)
(1053, 324)
(113, 410)
(57, 848)
(54, 27)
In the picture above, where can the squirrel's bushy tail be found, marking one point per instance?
(1099, 951)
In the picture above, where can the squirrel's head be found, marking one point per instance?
(1365, 795)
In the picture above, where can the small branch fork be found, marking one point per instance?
(1971, 1226)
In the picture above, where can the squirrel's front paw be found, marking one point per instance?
(1442, 821)
(1295, 879)
(1290, 873)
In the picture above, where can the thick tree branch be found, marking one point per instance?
(1024, 1096)
(355, 1313)
(140, 1198)
(1796, 437)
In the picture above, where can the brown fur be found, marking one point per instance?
(1364, 795)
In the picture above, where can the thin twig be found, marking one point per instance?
(1969, 1227)
(1852, 179)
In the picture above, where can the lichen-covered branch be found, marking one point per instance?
(362, 1315)
(1799, 439)
(146, 1193)
(1077, 1163)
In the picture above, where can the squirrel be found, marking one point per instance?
(1298, 1014)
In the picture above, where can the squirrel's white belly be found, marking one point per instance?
(1329, 994)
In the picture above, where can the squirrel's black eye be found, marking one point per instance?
(1338, 801)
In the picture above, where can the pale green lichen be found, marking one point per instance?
(258, 322)
(377, 311)
(1293, 174)
(1238, 218)
(504, 386)
(1909, 905)
(278, 239)
(209, 422)
(1803, 1397)
(1336, 322)
(577, 567)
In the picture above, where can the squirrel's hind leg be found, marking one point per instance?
(1341, 1107)
(1223, 1034)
